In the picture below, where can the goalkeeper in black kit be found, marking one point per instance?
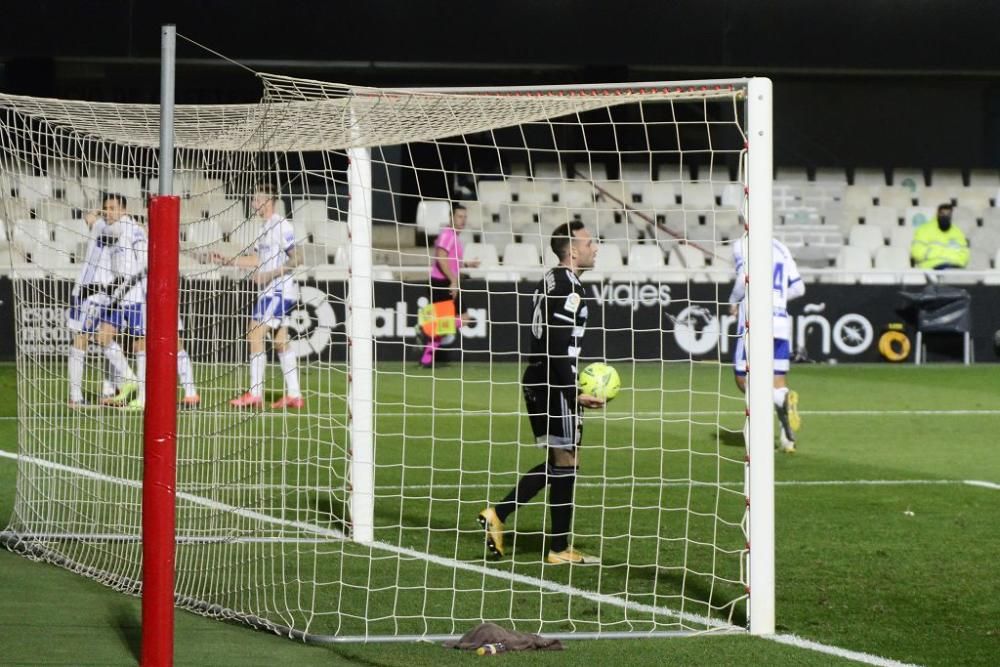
(558, 322)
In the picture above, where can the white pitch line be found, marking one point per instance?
(985, 485)
(584, 484)
(569, 591)
(856, 656)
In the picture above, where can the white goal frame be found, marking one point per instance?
(758, 479)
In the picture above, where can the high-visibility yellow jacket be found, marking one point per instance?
(932, 248)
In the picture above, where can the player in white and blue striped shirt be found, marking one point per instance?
(91, 298)
(274, 258)
(786, 285)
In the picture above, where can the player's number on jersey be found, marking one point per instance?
(538, 317)
(779, 277)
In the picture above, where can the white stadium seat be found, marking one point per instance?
(869, 176)
(881, 217)
(432, 216)
(895, 197)
(852, 262)
(909, 178)
(951, 178)
(866, 238)
(831, 175)
(914, 216)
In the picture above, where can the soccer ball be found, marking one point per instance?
(600, 380)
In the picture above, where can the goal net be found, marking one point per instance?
(353, 513)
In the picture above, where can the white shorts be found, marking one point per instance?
(271, 310)
(781, 355)
(85, 314)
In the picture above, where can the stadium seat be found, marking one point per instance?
(130, 188)
(575, 194)
(730, 195)
(991, 218)
(683, 264)
(645, 261)
(976, 199)
(616, 194)
(244, 236)
(53, 209)
(895, 197)
(621, 235)
(797, 217)
(891, 259)
(697, 196)
(640, 173)
(314, 254)
(674, 172)
(537, 193)
(50, 257)
(908, 177)
(659, 195)
(986, 237)
(858, 197)
(979, 258)
(964, 217)
(914, 216)
(869, 176)
(33, 189)
(547, 170)
(331, 234)
(609, 259)
(851, 261)
(487, 256)
(901, 237)
(202, 232)
(521, 255)
(518, 217)
(791, 174)
(934, 195)
(725, 225)
(308, 211)
(67, 233)
(984, 178)
(685, 256)
(492, 195)
(721, 270)
(432, 216)
(475, 216)
(948, 178)
(587, 216)
(590, 171)
(497, 235)
(831, 175)
(866, 237)
(329, 273)
(881, 217)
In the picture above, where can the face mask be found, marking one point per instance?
(944, 222)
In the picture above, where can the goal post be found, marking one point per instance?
(760, 455)
(159, 471)
(339, 502)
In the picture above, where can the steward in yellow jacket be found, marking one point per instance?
(937, 244)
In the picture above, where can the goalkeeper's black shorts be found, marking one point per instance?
(553, 411)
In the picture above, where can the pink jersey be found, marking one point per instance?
(448, 241)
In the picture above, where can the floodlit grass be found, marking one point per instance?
(896, 570)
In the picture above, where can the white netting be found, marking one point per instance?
(263, 524)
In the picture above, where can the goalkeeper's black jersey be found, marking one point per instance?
(558, 322)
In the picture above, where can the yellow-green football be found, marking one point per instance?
(600, 380)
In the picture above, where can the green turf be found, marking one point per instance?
(896, 571)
